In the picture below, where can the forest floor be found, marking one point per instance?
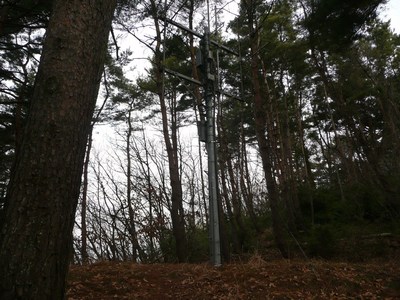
(255, 279)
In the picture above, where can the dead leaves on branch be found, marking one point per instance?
(256, 279)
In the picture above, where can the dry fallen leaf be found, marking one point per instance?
(278, 279)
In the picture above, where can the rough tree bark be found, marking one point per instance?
(36, 236)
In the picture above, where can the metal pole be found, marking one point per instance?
(211, 149)
(210, 84)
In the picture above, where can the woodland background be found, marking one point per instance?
(308, 158)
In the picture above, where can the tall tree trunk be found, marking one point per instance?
(307, 171)
(136, 249)
(231, 218)
(36, 238)
(231, 202)
(245, 184)
(226, 165)
(291, 193)
(150, 192)
(177, 217)
(264, 144)
(85, 183)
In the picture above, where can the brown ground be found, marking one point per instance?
(256, 279)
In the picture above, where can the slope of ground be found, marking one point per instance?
(256, 279)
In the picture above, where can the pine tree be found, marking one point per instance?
(36, 236)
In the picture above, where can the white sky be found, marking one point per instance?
(392, 12)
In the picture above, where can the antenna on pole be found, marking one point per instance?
(205, 63)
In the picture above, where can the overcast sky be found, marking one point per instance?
(392, 12)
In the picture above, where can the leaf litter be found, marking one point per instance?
(255, 279)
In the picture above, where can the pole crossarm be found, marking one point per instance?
(232, 96)
(205, 63)
(172, 22)
(227, 49)
(219, 45)
(190, 79)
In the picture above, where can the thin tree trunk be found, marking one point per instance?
(177, 217)
(131, 222)
(265, 150)
(84, 252)
(308, 176)
(231, 218)
(149, 190)
(245, 187)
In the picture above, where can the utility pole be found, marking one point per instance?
(206, 128)
(209, 84)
